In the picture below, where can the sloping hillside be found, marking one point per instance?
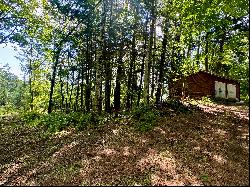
(205, 147)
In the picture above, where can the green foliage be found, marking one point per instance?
(206, 100)
(71, 49)
(11, 90)
(145, 118)
(54, 121)
(86, 121)
(32, 118)
(57, 121)
(245, 99)
(178, 106)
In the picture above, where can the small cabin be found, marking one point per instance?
(207, 84)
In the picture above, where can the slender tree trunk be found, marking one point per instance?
(72, 87)
(61, 90)
(87, 94)
(67, 90)
(198, 52)
(117, 94)
(148, 61)
(30, 81)
(153, 66)
(131, 64)
(161, 68)
(143, 62)
(221, 50)
(107, 86)
(206, 54)
(52, 82)
(108, 68)
(77, 94)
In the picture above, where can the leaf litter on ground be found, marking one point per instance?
(206, 147)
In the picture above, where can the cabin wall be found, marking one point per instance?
(199, 85)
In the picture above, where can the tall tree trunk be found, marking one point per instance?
(143, 61)
(52, 82)
(153, 66)
(107, 86)
(67, 90)
(148, 61)
(98, 87)
(221, 50)
(82, 80)
(61, 90)
(108, 68)
(30, 80)
(71, 90)
(77, 94)
(117, 94)
(88, 86)
(198, 52)
(206, 53)
(161, 68)
(130, 74)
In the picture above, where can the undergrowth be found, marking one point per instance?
(57, 121)
(143, 118)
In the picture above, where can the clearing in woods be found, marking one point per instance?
(207, 147)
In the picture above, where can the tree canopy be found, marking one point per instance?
(111, 55)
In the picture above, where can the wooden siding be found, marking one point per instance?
(199, 84)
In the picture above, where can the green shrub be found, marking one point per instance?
(85, 121)
(245, 99)
(145, 118)
(54, 121)
(178, 106)
(32, 118)
(57, 121)
(206, 100)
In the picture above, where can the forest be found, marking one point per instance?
(89, 64)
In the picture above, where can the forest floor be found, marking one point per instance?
(206, 147)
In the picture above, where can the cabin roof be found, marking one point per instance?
(215, 75)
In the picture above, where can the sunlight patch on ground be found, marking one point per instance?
(126, 151)
(86, 168)
(10, 171)
(115, 131)
(219, 159)
(210, 109)
(63, 133)
(242, 115)
(166, 169)
(197, 148)
(108, 152)
(160, 130)
(65, 149)
(191, 150)
(213, 109)
(221, 132)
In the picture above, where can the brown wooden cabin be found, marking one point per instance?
(202, 84)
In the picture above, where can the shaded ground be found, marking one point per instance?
(207, 147)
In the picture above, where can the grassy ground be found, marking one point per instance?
(206, 147)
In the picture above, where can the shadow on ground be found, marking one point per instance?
(206, 147)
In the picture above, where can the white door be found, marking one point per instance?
(231, 88)
(220, 88)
